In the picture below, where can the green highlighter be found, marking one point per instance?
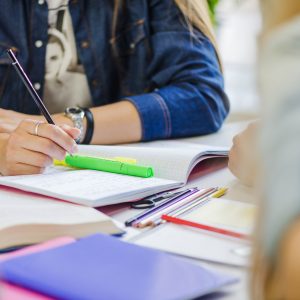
(107, 165)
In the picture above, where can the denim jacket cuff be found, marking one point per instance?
(154, 115)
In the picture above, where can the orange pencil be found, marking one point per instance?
(205, 227)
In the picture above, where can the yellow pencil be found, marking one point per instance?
(200, 201)
(219, 193)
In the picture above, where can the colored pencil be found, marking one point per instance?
(229, 233)
(200, 201)
(155, 220)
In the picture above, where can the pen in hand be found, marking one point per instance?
(38, 101)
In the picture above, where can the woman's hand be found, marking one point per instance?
(24, 152)
(243, 157)
(10, 120)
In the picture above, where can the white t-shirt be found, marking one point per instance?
(65, 79)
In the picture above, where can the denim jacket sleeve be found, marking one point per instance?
(189, 98)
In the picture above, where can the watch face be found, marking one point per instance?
(74, 110)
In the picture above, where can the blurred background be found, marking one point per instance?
(238, 24)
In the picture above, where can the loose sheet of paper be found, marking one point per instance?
(223, 212)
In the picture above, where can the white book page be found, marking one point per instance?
(88, 187)
(169, 159)
(18, 208)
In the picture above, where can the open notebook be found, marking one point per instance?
(172, 163)
(26, 218)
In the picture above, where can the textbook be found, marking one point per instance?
(27, 218)
(172, 162)
(103, 267)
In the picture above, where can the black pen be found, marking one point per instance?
(38, 101)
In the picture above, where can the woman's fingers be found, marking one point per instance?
(23, 169)
(30, 148)
(35, 159)
(50, 132)
(73, 132)
(58, 136)
(243, 159)
(42, 145)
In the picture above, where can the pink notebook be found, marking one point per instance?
(12, 292)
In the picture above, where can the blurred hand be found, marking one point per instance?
(278, 277)
(243, 156)
(23, 152)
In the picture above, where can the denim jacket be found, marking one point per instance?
(171, 77)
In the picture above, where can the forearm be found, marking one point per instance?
(171, 112)
(116, 123)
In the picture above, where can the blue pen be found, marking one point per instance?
(168, 201)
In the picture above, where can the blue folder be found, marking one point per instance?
(103, 267)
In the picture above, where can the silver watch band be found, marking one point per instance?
(76, 115)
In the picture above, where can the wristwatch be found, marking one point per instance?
(76, 114)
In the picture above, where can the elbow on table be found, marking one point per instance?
(202, 121)
(209, 108)
(213, 115)
(219, 115)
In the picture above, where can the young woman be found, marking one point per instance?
(277, 263)
(119, 71)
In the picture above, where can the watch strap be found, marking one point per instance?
(89, 127)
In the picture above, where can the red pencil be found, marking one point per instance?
(205, 227)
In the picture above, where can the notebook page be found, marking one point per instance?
(166, 164)
(170, 144)
(88, 187)
(170, 160)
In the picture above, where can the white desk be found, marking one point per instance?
(236, 192)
